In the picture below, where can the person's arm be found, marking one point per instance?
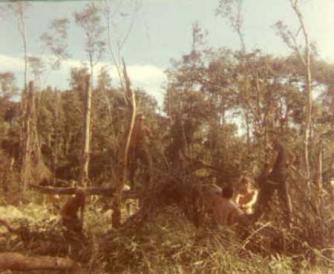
(81, 203)
(291, 158)
(273, 159)
(82, 210)
(148, 132)
(237, 199)
(253, 199)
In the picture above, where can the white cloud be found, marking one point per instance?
(145, 71)
(147, 76)
(9, 63)
(69, 63)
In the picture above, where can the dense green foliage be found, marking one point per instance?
(219, 108)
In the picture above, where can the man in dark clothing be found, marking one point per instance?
(276, 180)
(72, 215)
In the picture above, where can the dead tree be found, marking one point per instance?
(304, 55)
(18, 262)
(306, 60)
(33, 169)
(116, 217)
(319, 171)
(84, 178)
(103, 191)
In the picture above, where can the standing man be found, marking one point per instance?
(276, 180)
(72, 215)
(138, 149)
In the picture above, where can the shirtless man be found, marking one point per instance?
(225, 211)
(247, 196)
(138, 149)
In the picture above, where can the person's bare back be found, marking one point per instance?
(225, 211)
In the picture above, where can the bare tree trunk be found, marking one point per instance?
(56, 137)
(238, 27)
(114, 56)
(86, 148)
(87, 127)
(25, 134)
(247, 131)
(319, 178)
(308, 117)
(308, 75)
(19, 9)
(308, 123)
(91, 65)
(116, 217)
(24, 39)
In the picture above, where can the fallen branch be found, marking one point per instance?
(18, 262)
(201, 163)
(247, 240)
(104, 191)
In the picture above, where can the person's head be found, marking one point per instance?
(246, 183)
(266, 164)
(273, 139)
(227, 192)
(140, 117)
(332, 183)
(80, 195)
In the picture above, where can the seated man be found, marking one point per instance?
(247, 196)
(225, 211)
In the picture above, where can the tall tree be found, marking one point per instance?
(84, 177)
(37, 68)
(112, 13)
(116, 218)
(8, 87)
(232, 11)
(33, 169)
(304, 55)
(8, 108)
(19, 10)
(90, 21)
(55, 40)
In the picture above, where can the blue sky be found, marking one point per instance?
(162, 30)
